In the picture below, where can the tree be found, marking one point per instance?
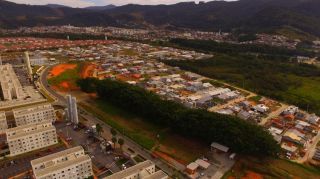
(99, 129)
(241, 136)
(120, 142)
(114, 140)
(113, 132)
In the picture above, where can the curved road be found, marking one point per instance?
(46, 86)
(168, 168)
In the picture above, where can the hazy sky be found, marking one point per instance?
(85, 3)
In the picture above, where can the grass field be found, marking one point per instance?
(71, 74)
(145, 134)
(272, 168)
(66, 80)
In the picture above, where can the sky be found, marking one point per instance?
(86, 3)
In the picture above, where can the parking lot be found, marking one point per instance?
(104, 162)
(22, 164)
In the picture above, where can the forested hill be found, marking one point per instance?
(301, 16)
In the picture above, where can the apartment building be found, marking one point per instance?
(72, 163)
(31, 137)
(3, 122)
(34, 114)
(143, 170)
(9, 84)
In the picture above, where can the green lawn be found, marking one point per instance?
(145, 134)
(133, 127)
(68, 75)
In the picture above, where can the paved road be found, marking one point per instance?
(168, 168)
(45, 85)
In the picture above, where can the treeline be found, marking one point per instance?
(239, 135)
(72, 36)
(223, 47)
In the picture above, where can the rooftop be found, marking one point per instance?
(131, 170)
(61, 165)
(30, 109)
(56, 155)
(29, 129)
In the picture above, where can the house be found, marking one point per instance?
(295, 136)
(313, 119)
(290, 110)
(203, 164)
(225, 111)
(244, 115)
(204, 102)
(276, 133)
(292, 149)
(245, 104)
(218, 147)
(261, 108)
(192, 168)
(300, 116)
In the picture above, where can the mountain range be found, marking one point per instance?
(298, 16)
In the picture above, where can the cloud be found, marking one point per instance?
(71, 3)
(86, 3)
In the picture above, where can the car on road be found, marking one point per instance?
(87, 131)
(69, 139)
(123, 166)
(69, 124)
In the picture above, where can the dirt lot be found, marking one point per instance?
(59, 69)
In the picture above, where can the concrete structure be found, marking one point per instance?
(3, 122)
(34, 114)
(31, 137)
(192, 168)
(72, 163)
(219, 147)
(72, 109)
(143, 170)
(9, 84)
(28, 64)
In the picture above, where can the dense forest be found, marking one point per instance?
(239, 135)
(212, 46)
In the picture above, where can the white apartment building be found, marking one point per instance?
(34, 114)
(3, 122)
(72, 163)
(31, 137)
(9, 84)
(143, 170)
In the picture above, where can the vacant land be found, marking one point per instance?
(147, 135)
(270, 168)
(59, 69)
(63, 77)
(278, 78)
